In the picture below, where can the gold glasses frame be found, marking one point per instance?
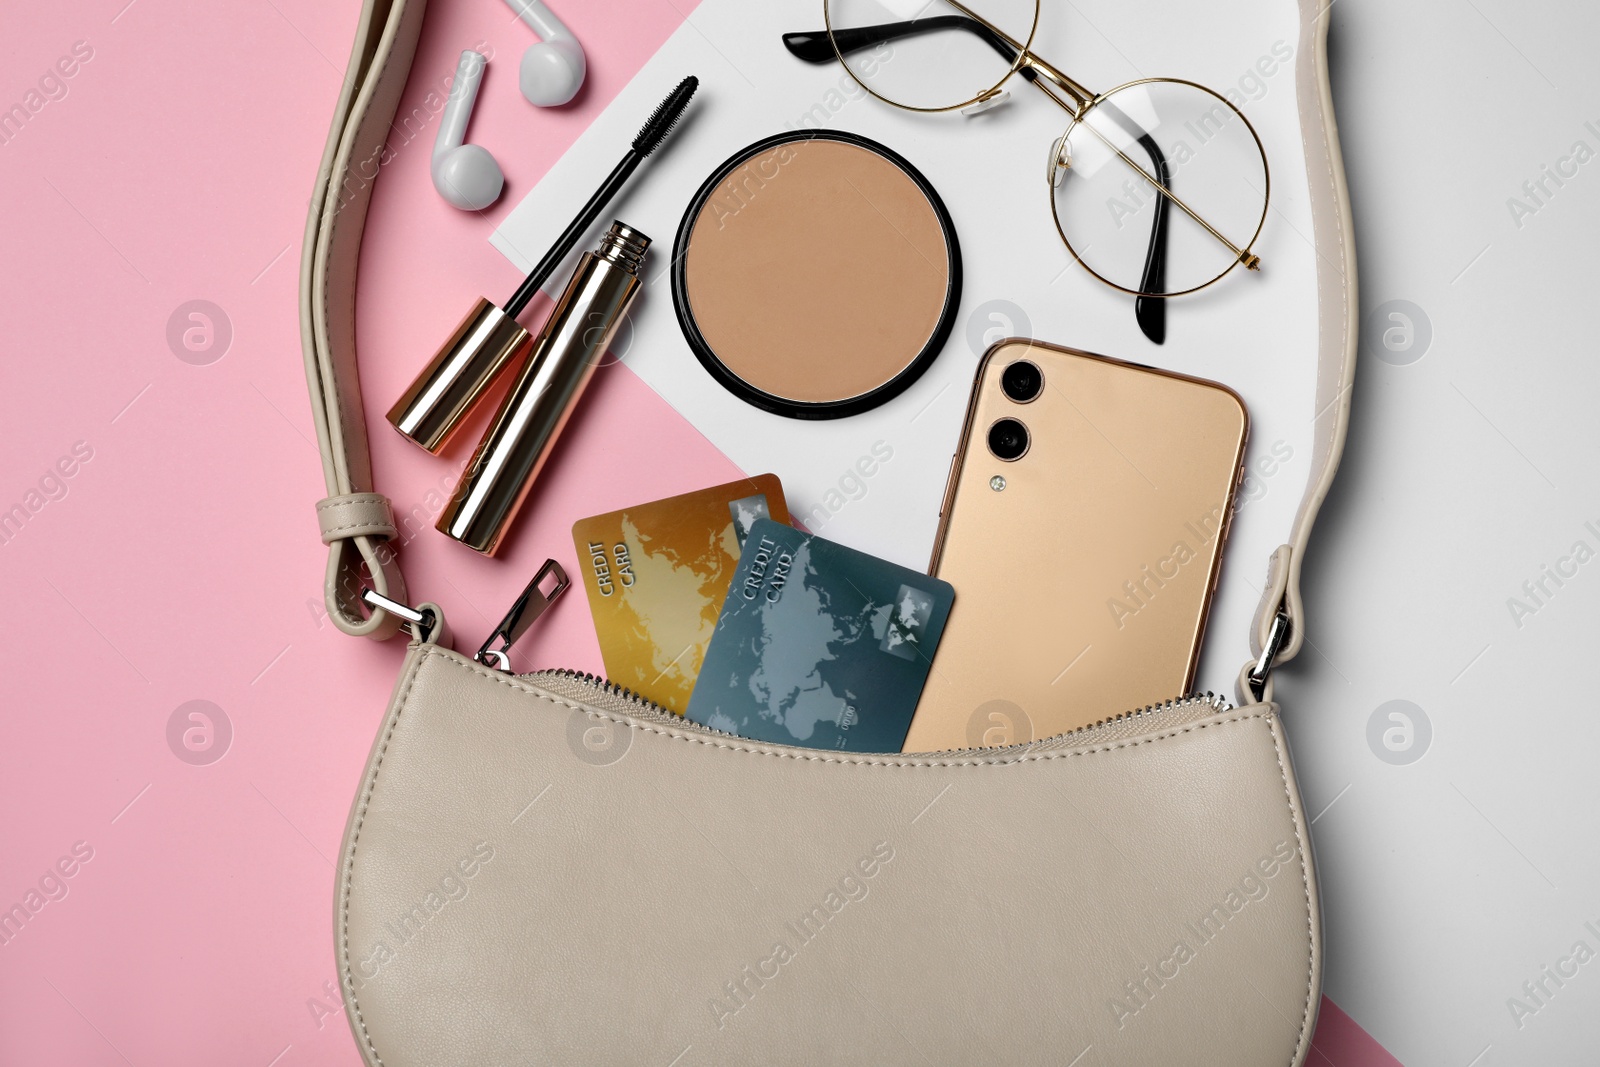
(1078, 102)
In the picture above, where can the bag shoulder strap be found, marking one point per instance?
(1279, 631)
(357, 523)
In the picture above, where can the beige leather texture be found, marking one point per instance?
(355, 515)
(526, 879)
(386, 39)
(1338, 313)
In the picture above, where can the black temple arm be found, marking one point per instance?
(814, 46)
(1150, 311)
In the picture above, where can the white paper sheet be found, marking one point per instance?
(1256, 333)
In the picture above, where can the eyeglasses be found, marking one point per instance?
(1112, 175)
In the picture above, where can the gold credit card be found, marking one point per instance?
(657, 574)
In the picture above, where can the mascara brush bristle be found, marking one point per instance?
(665, 116)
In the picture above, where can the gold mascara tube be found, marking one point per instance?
(564, 358)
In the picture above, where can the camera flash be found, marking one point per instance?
(997, 483)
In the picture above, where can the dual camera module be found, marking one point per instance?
(1022, 382)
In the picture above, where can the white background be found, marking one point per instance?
(1451, 881)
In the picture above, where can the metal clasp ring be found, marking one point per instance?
(1277, 637)
(422, 622)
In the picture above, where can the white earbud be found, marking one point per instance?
(466, 175)
(553, 69)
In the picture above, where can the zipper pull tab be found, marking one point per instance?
(533, 602)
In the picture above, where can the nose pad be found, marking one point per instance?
(986, 103)
(1060, 161)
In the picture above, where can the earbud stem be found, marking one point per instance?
(458, 107)
(542, 21)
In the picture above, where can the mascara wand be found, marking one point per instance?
(654, 131)
(490, 338)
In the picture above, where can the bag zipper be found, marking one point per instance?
(543, 590)
(599, 692)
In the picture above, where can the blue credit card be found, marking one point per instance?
(819, 645)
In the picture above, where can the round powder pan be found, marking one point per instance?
(816, 274)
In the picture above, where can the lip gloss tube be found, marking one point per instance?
(534, 412)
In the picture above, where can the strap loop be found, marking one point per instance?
(355, 515)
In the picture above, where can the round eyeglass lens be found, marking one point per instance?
(928, 55)
(1113, 218)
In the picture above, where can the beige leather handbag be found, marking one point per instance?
(543, 869)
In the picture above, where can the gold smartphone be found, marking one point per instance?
(1082, 527)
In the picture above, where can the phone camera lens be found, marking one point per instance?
(1022, 381)
(1008, 439)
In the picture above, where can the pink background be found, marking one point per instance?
(181, 561)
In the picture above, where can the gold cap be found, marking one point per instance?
(439, 400)
(524, 431)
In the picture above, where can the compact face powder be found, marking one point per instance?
(816, 274)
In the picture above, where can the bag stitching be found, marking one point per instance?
(732, 745)
(373, 526)
(433, 652)
(362, 117)
(350, 858)
(1305, 883)
(1326, 152)
(349, 499)
(335, 417)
